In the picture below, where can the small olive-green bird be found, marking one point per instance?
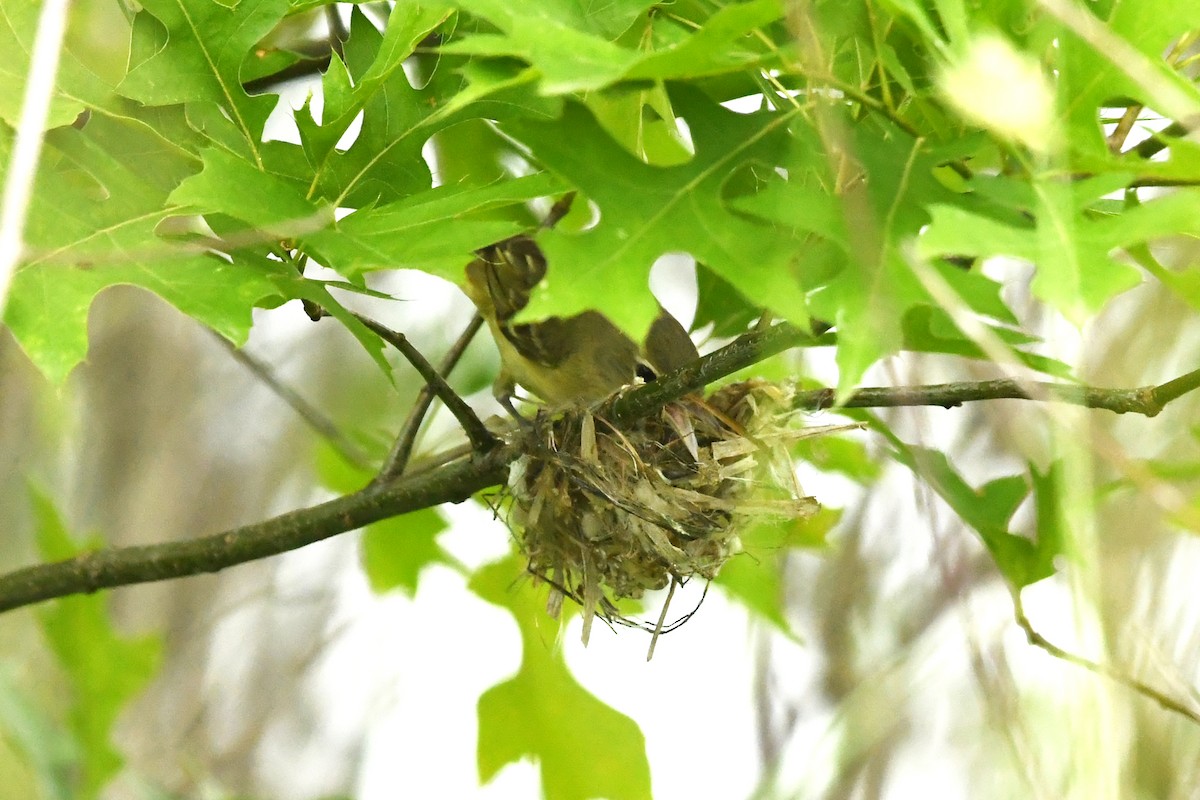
(562, 360)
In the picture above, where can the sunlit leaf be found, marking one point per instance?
(396, 550)
(542, 713)
(193, 53)
(647, 211)
(86, 70)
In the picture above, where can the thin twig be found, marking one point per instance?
(1116, 139)
(1037, 640)
(1174, 389)
(1146, 400)
(662, 616)
(560, 209)
(311, 415)
(397, 459)
(758, 345)
(482, 439)
(1147, 148)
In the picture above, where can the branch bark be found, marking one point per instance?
(125, 566)
(458, 480)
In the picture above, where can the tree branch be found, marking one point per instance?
(458, 480)
(124, 566)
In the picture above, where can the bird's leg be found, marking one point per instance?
(504, 390)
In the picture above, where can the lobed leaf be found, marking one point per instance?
(542, 713)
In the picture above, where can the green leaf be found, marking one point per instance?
(1185, 284)
(758, 585)
(869, 297)
(643, 121)
(1092, 72)
(395, 551)
(647, 211)
(104, 669)
(384, 162)
(82, 79)
(542, 713)
(754, 577)
(1174, 214)
(570, 44)
(1072, 251)
(1052, 539)
(48, 307)
(1075, 272)
(932, 330)
(722, 44)
(99, 201)
(199, 60)
(101, 190)
(574, 48)
(407, 25)
(989, 510)
(269, 202)
(838, 454)
(436, 230)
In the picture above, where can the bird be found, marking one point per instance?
(575, 360)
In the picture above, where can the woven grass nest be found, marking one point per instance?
(605, 514)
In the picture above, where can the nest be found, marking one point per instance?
(604, 514)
